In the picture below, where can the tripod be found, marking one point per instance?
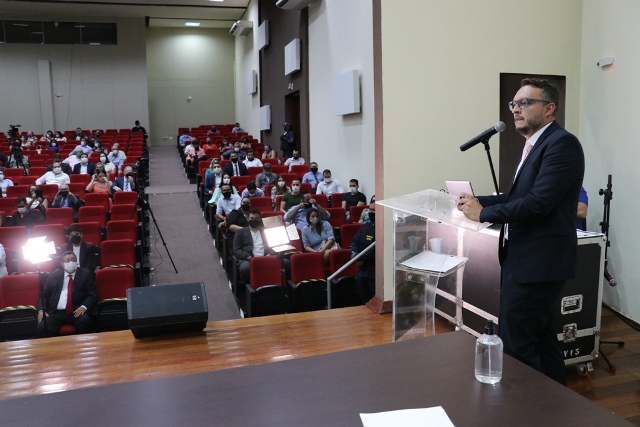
(608, 195)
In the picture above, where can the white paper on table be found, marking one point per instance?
(432, 417)
(431, 261)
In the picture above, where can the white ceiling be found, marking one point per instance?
(216, 14)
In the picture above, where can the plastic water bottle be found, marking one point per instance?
(489, 356)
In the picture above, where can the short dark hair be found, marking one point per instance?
(74, 227)
(21, 200)
(326, 171)
(65, 253)
(354, 181)
(251, 185)
(255, 212)
(249, 150)
(266, 166)
(550, 91)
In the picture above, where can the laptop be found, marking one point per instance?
(457, 187)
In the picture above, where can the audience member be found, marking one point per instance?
(83, 146)
(214, 179)
(99, 184)
(317, 235)
(298, 214)
(364, 237)
(208, 144)
(266, 177)
(84, 167)
(292, 198)
(124, 183)
(97, 135)
(329, 186)
(251, 160)
(235, 167)
(69, 296)
(194, 155)
(227, 203)
(4, 182)
(56, 176)
(280, 189)
(294, 160)
(57, 158)
(47, 137)
(353, 197)
(185, 138)
(66, 199)
(28, 140)
(214, 130)
(236, 149)
(36, 200)
(105, 164)
(252, 191)
(287, 140)
(225, 145)
(87, 254)
(237, 128)
(139, 128)
(54, 145)
(116, 156)
(79, 134)
(237, 219)
(364, 215)
(250, 242)
(73, 159)
(245, 144)
(25, 216)
(17, 159)
(269, 153)
(217, 194)
(312, 177)
(60, 138)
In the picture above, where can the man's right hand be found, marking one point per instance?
(40, 316)
(462, 199)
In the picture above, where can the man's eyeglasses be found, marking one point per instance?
(523, 103)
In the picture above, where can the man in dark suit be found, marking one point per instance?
(125, 183)
(538, 249)
(66, 199)
(87, 254)
(69, 296)
(84, 167)
(235, 167)
(249, 242)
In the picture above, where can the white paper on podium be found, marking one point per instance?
(432, 417)
(433, 262)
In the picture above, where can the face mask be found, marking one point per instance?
(254, 223)
(314, 220)
(64, 193)
(245, 207)
(295, 188)
(196, 147)
(235, 160)
(53, 144)
(354, 190)
(237, 149)
(70, 267)
(217, 171)
(370, 217)
(114, 151)
(327, 180)
(84, 160)
(57, 170)
(296, 157)
(1, 177)
(75, 239)
(96, 145)
(103, 159)
(226, 194)
(226, 181)
(314, 170)
(280, 184)
(307, 205)
(22, 210)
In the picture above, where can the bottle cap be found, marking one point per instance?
(489, 328)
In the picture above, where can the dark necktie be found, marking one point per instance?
(235, 166)
(65, 202)
(126, 185)
(69, 307)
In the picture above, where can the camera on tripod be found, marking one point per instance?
(12, 133)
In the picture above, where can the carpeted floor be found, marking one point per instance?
(175, 205)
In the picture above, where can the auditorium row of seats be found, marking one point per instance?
(305, 287)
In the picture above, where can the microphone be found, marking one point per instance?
(498, 127)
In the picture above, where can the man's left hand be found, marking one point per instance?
(79, 311)
(471, 209)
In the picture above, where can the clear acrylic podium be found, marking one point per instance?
(431, 240)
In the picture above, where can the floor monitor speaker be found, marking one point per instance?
(154, 310)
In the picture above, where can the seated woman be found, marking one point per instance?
(29, 140)
(226, 179)
(280, 189)
(100, 184)
(318, 236)
(269, 153)
(60, 138)
(214, 167)
(47, 137)
(35, 199)
(107, 166)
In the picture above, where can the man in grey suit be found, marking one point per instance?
(538, 244)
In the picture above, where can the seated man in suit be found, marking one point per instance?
(250, 242)
(25, 216)
(235, 167)
(69, 296)
(126, 183)
(66, 199)
(87, 254)
(84, 167)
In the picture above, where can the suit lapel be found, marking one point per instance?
(548, 131)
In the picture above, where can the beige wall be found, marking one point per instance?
(183, 63)
(441, 63)
(609, 130)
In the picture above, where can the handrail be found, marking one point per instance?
(341, 269)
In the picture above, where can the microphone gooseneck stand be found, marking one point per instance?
(608, 195)
(493, 171)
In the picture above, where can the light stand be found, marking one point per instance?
(37, 251)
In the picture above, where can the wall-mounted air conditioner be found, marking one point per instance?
(293, 4)
(241, 28)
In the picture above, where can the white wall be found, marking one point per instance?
(441, 65)
(189, 62)
(247, 58)
(609, 130)
(99, 86)
(340, 40)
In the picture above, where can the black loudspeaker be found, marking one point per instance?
(154, 310)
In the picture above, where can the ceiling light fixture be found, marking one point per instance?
(192, 24)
